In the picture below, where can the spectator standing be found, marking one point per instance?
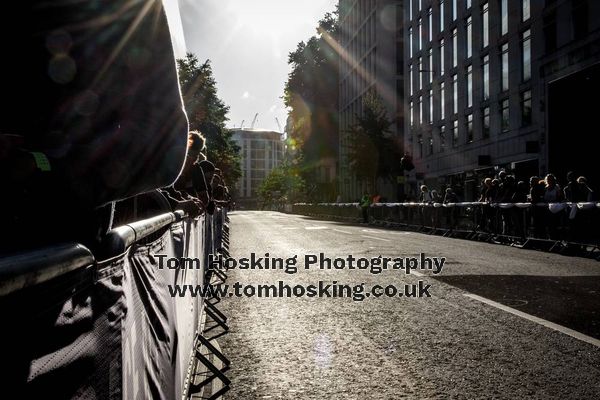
(587, 194)
(518, 214)
(452, 212)
(365, 203)
(553, 194)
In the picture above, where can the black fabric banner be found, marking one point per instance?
(111, 330)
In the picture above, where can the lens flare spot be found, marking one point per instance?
(87, 103)
(323, 351)
(62, 69)
(59, 42)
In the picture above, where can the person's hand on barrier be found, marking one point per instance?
(190, 207)
(210, 209)
(203, 197)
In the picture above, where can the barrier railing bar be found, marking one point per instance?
(38, 266)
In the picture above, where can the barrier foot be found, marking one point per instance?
(220, 275)
(218, 319)
(212, 370)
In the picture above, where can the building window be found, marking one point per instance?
(454, 9)
(420, 5)
(430, 100)
(454, 94)
(420, 23)
(410, 10)
(421, 110)
(470, 86)
(421, 73)
(441, 15)
(550, 32)
(505, 123)
(526, 54)
(455, 133)
(454, 47)
(525, 10)
(526, 108)
(442, 101)
(469, 37)
(410, 41)
(504, 67)
(485, 131)
(485, 26)
(470, 128)
(580, 19)
(430, 23)
(442, 138)
(469, 4)
(503, 17)
(410, 79)
(486, 77)
(411, 112)
(442, 56)
(430, 66)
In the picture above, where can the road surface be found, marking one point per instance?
(501, 322)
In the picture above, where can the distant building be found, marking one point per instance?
(500, 84)
(260, 151)
(371, 59)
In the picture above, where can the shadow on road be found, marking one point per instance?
(571, 301)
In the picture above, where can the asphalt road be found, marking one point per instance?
(501, 322)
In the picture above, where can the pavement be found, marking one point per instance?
(501, 322)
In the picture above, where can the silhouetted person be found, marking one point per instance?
(518, 214)
(587, 194)
(452, 212)
(552, 194)
(94, 92)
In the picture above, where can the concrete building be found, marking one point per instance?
(260, 151)
(371, 59)
(500, 84)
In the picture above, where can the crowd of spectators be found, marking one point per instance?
(543, 219)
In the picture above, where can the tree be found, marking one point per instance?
(207, 113)
(283, 184)
(373, 152)
(311, 94)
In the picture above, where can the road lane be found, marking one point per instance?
(447, 346)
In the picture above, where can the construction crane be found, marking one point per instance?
(279, 125)
(242, 124)
(254, 121)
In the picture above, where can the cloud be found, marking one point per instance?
(273, 108)
(246, 95)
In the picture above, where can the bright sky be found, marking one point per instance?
(248, 42)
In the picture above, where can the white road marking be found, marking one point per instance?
(289, 228)
(543, 322)
(385, 231)
(315, 228)
(370, 231)
(339, 230)
(374, 237)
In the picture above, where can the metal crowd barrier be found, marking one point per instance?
(81, 327)
(550, 226)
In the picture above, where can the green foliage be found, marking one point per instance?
(373, 153)
(208, 114)
(311, 94)
(282, 185)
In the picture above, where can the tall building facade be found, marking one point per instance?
(260, 152)
(371, 51)
(499, 84)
